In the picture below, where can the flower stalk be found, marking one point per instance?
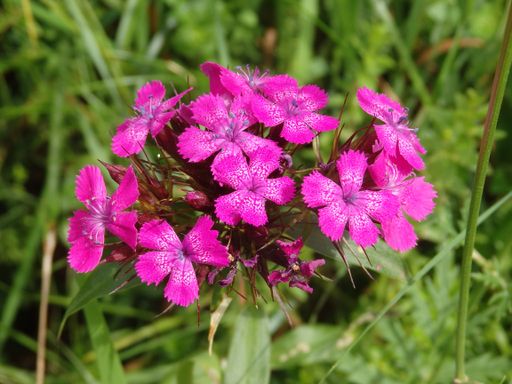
(491, 120)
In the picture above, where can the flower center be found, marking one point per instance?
(253, 77)
(293, 107)
(100, 213)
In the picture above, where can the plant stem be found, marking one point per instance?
(497, 92)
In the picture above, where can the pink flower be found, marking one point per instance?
(295, 108)
(87, 227)
(415, 195)
(226, 123)
(252, 187)
(171, 257)
(245, 80)
(347, 202)
(153, 113)
(395, 135)
(297, 272)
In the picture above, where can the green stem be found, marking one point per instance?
(497, 91)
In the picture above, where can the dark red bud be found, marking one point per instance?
(120, 254)
(197, 200)
(116, 172)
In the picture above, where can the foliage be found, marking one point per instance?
(69, 70)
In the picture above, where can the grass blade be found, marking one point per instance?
(487, 144)
(249, 353)
(108, 361)
(450, 246)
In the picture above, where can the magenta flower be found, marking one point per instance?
(245, 80)
(415, 195)
(153, 113)
(347, 202)
(295, 108)
(87, 227)
(225, 123)
(252, 187)
(395, 135)
(171, 257)
(297, 272)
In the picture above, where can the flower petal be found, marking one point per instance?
(399, 234)
(351, 169)
(270, 84)
(407, 149)
(171, 103)
(130, 137)
(362, 230)
(90, 185)
(151, 92)
(263, 162)
(280, 190)
(182, 288)
(227, 207)
(267, 112)
(379, 105)
(312, 98)
(241, 205)
(250, 143)
(159, 235)
(210, 111)
(76, 227)
(297, 131)
(84, 254)
(214, 71)
(234, 82)
(128, 191)
(319, 190)
(196, 145)
(152, 267)
(388, 137)
(320, 123)
(279, 276)
(232, 170)
(332, 220)
(123, 226)
(252, 209)
(308, 268)
(417, 198)
(201, 244)
(380, 205)
(291, 248)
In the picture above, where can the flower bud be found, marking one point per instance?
(197, 200)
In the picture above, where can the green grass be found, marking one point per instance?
(68, 72)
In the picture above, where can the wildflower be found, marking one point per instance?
(87, 227)
(171, 257)
(226, 127)
(395, 135)
(414, 194)
(245, 80)
(348, 202)
(295, 108)
(153, 114)
(297, 272)
(252, 187)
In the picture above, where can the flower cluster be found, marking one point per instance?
(223, 195)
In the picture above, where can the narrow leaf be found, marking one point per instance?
(108, 361)
(249, 353)
(99, 283)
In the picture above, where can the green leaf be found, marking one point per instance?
(108, 361)
(99, 283)
(306, 345)
(383, 259)
(249, 353)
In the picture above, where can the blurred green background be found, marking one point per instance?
(68, 73)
